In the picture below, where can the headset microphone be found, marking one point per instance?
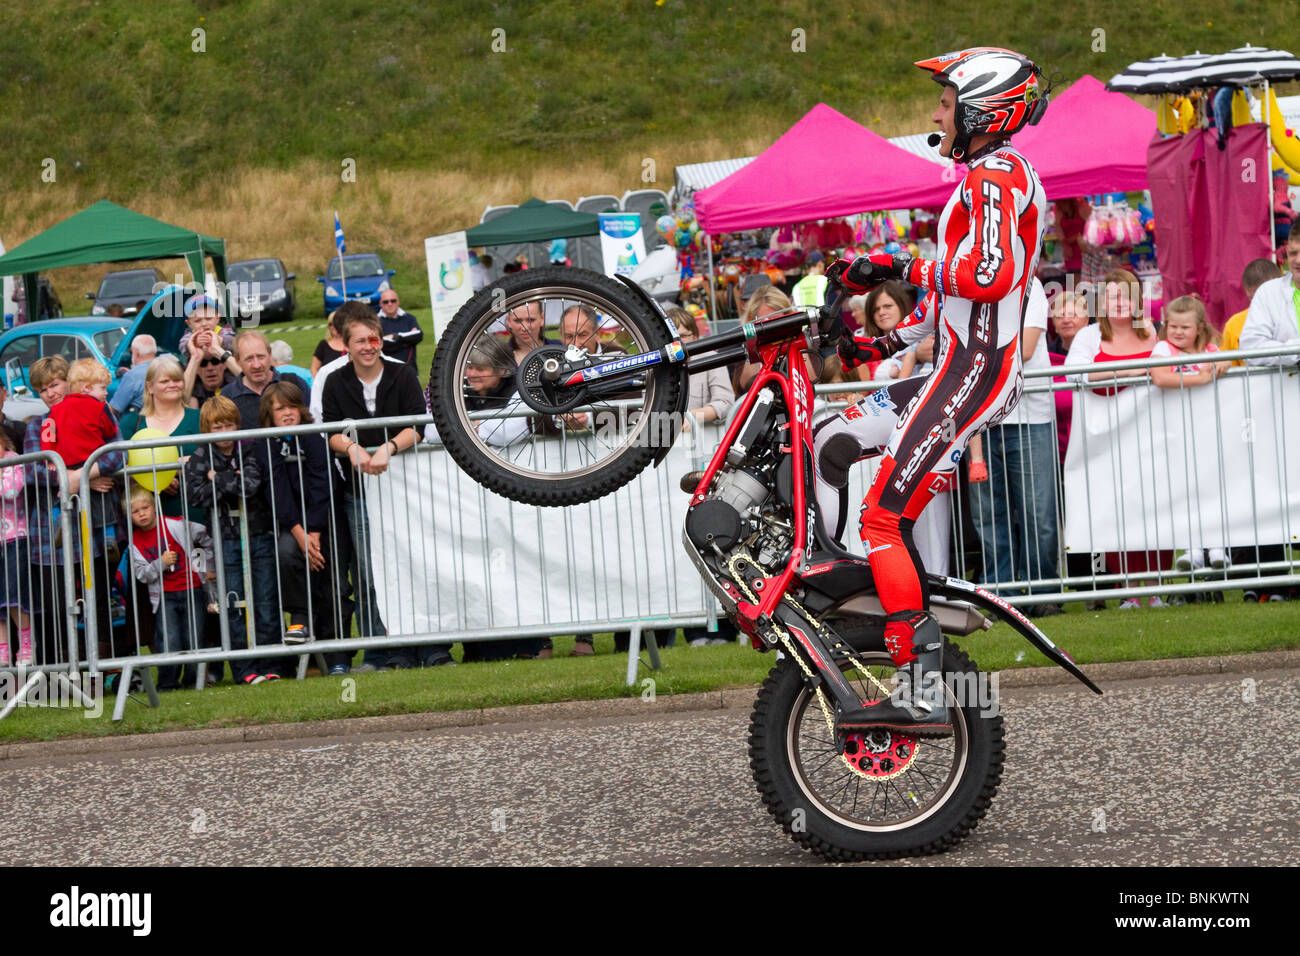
(934, 139)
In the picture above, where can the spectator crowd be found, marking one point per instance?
(284, 521)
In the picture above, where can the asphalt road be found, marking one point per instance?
(1185, 770)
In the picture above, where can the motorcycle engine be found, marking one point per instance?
(742, 508)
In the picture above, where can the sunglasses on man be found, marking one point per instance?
(209, 362)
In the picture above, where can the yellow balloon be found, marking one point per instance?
(155, 480)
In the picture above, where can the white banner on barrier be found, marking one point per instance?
(472, 559)
(1133, 483)
(448, 555)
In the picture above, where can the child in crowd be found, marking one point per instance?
(1185, 331)
(163, 559)
(310, 566)
(15, 587)
(231, 478)
(204, 320)
(81, 422)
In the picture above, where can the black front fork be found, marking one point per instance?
(813, 648)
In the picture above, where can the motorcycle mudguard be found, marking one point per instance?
(965, 591)
(683, 393)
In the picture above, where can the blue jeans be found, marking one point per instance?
(265, 605)
(1015, 510)
(178, 626)
(367, 601)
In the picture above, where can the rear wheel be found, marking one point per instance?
(592, 438)
(875, 795)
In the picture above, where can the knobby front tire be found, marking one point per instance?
(541, 459)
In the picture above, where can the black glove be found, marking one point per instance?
(855, 351)
(866, 272)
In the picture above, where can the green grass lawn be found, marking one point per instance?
(1091, 637)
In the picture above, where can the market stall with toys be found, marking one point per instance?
(1221, 153)
(808, 191)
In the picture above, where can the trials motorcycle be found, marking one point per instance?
(573, 421)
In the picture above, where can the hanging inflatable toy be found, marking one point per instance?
(1286, 144)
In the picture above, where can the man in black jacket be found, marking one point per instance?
(401, 332)
(368, 387)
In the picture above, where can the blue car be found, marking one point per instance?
(103, 338)
(362, 275)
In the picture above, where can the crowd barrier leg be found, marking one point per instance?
(634, 651)
(124, 689)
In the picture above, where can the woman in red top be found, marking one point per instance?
(1121, 332)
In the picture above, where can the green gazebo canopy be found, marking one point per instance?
(107, 232)
(534, 221)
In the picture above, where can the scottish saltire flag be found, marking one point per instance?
(338, 235)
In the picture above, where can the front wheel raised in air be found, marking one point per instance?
(591, 439)
(875, 795)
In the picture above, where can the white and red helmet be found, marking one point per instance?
(998, 91)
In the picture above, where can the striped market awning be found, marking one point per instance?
(1244, 66)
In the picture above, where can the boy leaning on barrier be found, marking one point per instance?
(367, 387)
(226, 475)
(303, 503)
(163, 553)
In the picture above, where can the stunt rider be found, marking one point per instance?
(974, 294)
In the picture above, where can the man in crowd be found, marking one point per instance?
(253, 353)
(208, 349)
(369, 387)
(1274, 315)
(205, 377)
(401, 332)
(130, 389)
(811, 289)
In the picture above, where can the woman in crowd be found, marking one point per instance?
(1069, 315)
(49, 548)
(165, 408)
(329, 348)
(710, 392)
(886, 306)
(1121, 333)
(767, 300)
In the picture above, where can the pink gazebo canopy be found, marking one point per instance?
(825, 165)
(1089, 141)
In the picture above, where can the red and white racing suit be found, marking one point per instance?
(989, 238)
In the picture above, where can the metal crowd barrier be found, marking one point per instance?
(400, 534)
(1228, 546)
(450, 563)
(40, 585)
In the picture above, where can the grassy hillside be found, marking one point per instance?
(450, 106)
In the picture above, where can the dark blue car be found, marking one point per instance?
(362, 275)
